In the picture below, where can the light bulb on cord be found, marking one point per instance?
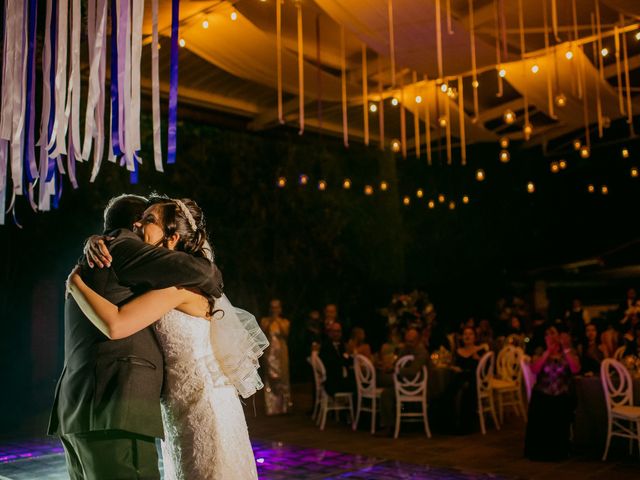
(504, 156)
(234, 16)
(480, 175)
(373, 108)
(555, 167)
(282, 182)
(322, 185)
(625, 153)
(346, 184)
(444, 87)
(634, 172)
(561, 100)
(394, 102)
(205, 24)
(442, 121)
(406, 200)
(368, 190)
(637, 36)
(591, 188)
(585, 151)
(384, 186)
(395, 146)
(527, 130)
(431, 204)
(452, 205)
(577, 144)
(604, 52)
(504, 142)
(604, 190)
(502, 72)
(475, 84)
(418, 99)
(531, 187)
(535, 68)
(303, 179)
(568, 55)
(181, 42)
(441, 198)
(420, 193)
(509, 116)
(562, 164)
(465, 199)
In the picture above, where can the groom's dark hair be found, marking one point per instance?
(122, 211)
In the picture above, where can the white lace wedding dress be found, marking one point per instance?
(206, 435)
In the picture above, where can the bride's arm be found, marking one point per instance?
(120, 322)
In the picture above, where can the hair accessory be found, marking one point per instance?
(187, 213)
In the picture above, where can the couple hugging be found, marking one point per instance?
(154, 349)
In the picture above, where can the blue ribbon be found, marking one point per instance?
(173, 86)
(133, 176)
(30, 167)
(115, 111)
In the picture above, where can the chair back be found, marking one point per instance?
(484, 372)
(616, 383)
(508, 364)
(365, 375)
(527, 374)
(319, 372)
(619, 353)
(410, 387)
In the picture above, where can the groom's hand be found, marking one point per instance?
(96, 251)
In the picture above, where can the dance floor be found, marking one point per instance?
(44, 459)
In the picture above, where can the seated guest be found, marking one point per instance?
(465, 397)
(484, 332)
(333, 354)
(592, 351)
(388, 354)
(632, 345)
(576, 319)
(412, 346)
(552, 405)
(357, 344)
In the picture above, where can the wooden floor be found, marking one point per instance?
(498, 452)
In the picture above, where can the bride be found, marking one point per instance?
(210, 353)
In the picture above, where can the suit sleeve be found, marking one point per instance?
(145, 267)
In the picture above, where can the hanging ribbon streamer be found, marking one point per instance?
(8, 66)
(616, 36)
(599, 38)
(124, 84)
(365, 94)
(115, 117)
(403, 118)
(596, 54)
(439, 40)
(173, 87)
(427, 122)
(497, 26)
(474, 70)
(278, 57)
(72, 110)
(300, 70)
(133, 127)
(463, 138)
(392, 43)
(57, 145)
(99, 106)
(416, 114)
(4, 149)
(547, 58)
(155, 90)
(449, 24)
(574, 14)
(380, 106)
(19, 95)
(554, 20)
(522, 53)
(627, 83)
(447, 116)
(343, 67)
(30, 164)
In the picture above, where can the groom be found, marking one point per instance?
(106, 408)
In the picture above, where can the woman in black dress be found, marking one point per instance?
(552, 403)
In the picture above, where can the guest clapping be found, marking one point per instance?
(337, 361)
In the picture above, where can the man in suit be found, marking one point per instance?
(106, 408)
(336, 361)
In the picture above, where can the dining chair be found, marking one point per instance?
(367, 390)
(484, 374)
(327, 403)
(410, 391)
(507, 383)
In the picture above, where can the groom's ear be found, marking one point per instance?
(173, 241)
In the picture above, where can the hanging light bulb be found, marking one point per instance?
(322, 185)
(465, 199)
(384, 186)
(418, 99)
(395, 145)
(431, 204)
(568, 54)
(475, 84)
(234, 15)
(585, 152)
(182, 42)
(531, 187)
(509, 116)
(420, 193)
(480, 175)
(606, 122)
(527, 130)
(394, 102)
(303, 179)
(452, 93)
(535, 68)
(502, 72)
(562, 164)
(346, 184)
(634, 172)
(555, 168)
(441, 198)
(373, 108)
(452, 205)
(368, 190)
(406, 200)
(591, 188)
(637, 36)
(625, 153)
(205, 24)
(604, 52)
(577, 144)
(561, 100)
(504, 142)
(604, 190)
(504, 156)
(442, 121)
(444, 87)
(282, 182)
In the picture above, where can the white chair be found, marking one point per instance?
(528, 375)
(619, 353)
(366, 383)
(507, 384)
(339, 401)
(623, 417)
(410, 391)
(484, 374)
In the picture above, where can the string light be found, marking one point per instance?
(604, 52)
(591, 188)
(604, 190)
(368, 190)
(418, 99)
(562, 164)
(465, 199)
(528, 129)
(577, 144)
(634, 172)
(282, 182)
(394, 102)
(373, 108)
(432, 204)
(504, 142)
(452, 93)
(531, 187)
(346, 184)
(205, 24)
(406, 200)
(502, 72)
(322, 185)
(419, 193)
(480, 175)
(535, 68)
(509, 116)
(585, 152)
(555, 168)
(181, 42)
(568, 55)
(444, 87)
(395, 145)
(475, 84)
(625, 153)
(234, 16)
(504, 156)
(452, 205)
(384, 186)
(561, 100)
(637, 36)
(441, 198)
(303, 179)
(442, 121)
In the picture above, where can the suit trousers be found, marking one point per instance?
(110, 455)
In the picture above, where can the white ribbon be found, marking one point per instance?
(6, 113)
(72, 109)
(60, 125)
(43, 195)
(128, 146)
(133, 127)
(155, 91)
(19, 94)
(4, 145)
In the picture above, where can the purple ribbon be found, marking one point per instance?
(173, 85)
(133, 176)
(115, 110)
(30, 166)
(52, 82)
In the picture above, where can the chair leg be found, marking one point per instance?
(493, 413)
(319, 413)
(500, 407)
(398, 413)
(351, 417)
(606, 447)
(481, 415)
(373, 415)
(358, 407)
(426, 419)
(323, 413)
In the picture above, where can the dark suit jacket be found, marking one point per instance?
(333, 360)
(116, 384)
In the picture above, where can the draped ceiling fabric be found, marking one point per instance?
(231, 65)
